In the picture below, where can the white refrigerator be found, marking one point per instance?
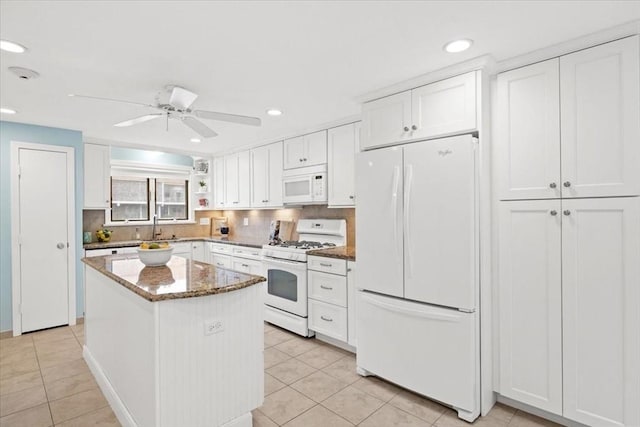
(417, 240)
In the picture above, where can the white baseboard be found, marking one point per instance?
(336, 343)
(109, 392)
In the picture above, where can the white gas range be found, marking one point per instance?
(286, 271)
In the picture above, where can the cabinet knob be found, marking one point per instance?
(567, 184)
(553, 213)
(414, 127)
(304, 160)
(352, 197)
(106, 201)
(567, 212)
(300, 159)
(406, 128)
(552, 185)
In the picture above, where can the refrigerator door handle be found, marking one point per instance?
(394, 203)
(407, 202)
(441, 316)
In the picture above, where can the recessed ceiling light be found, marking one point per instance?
(274, 112)
(7, 111)
(195, 140)
(12, 47)
(458, 45)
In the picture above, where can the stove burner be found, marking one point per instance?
(304, 244)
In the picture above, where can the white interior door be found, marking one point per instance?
(379, 221)
(601, 310)
(530, 303)
(440, 238)
(44, 239)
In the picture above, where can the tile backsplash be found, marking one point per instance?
(258, 227)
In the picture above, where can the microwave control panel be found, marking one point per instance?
(318, 185)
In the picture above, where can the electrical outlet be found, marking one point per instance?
(246, 221)
(204, 221)
(213, 327)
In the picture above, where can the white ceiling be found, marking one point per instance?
(311, 59)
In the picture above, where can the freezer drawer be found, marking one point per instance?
(427, 349)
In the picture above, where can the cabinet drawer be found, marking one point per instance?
(328, 319)
(220, 248)
(329, 288)
(247, 252)
(248, 266)
(327, 265)
(222, 261)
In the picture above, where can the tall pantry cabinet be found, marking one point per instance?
(568, 165)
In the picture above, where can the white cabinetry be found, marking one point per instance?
(266, 176)
(109, 251)
(570, 127)
(569, 299)
(219, 197)
(182, 249)
(342, 148)
(352, 304)
(305, 150)
(198, 252)
(237, 168)
(442, 108)
(97, 170)
(241, 258)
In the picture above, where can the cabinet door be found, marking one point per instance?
(352, 306)
(528, 132)
(440, 236)
(444, 108)
(315, 148)
(601, 310)
(274, 195)
(219, 183)
(294, 152)
(530, 304)
(231, 184)
(97, 171)
(600, 104)
(386, 120)
(197, 252)
(379, 219)
(341, 165)
(244, 180)
(221, 261)
(259, 176)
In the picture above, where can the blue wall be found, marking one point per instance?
(10, 131)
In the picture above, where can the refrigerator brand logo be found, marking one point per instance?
(444, 152)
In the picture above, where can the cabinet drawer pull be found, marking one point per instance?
(329, 288)
(324, 264)
(326, 319)
(245, 265)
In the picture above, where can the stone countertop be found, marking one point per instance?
(230, 240)
(180, 278)
(341, 252)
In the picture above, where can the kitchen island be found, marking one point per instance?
(177, 345)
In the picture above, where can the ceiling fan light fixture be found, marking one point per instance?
(4, 110)
(274, 112)
(9, 46)
(196, 140)
(458, 46)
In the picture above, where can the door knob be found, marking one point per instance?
(406, 128)
(553, 213)
(60, 245)
(567, 184)
(567, 212)
(414, 127)
(552, 185)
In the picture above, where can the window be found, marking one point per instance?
(171, 199)
(139, 199)
(129, 199)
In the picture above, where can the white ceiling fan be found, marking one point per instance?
(178, 108)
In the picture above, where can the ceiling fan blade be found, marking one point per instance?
(234, 118)
(181, 98)
(73, 95)
(137, 120)
(200, 128)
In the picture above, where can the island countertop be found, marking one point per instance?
(180, 278)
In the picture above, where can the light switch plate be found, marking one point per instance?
(246, 221)
(204, 221)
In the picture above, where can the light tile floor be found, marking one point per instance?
(45, 382)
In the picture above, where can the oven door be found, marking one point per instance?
(286, 285)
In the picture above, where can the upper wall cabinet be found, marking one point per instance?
(442, 108)
(237, 170)
(97, 192)
(218, 183)
(266, 176)
(342, 148)
(305, 150)
(570, 127)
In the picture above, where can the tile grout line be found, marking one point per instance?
(46, 395)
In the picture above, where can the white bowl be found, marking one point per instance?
(155, 257)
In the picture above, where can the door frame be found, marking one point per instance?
(16, 273)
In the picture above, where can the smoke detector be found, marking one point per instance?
(24, 73)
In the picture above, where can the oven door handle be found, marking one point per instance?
(291, 264)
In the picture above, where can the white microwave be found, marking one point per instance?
(305, 185)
